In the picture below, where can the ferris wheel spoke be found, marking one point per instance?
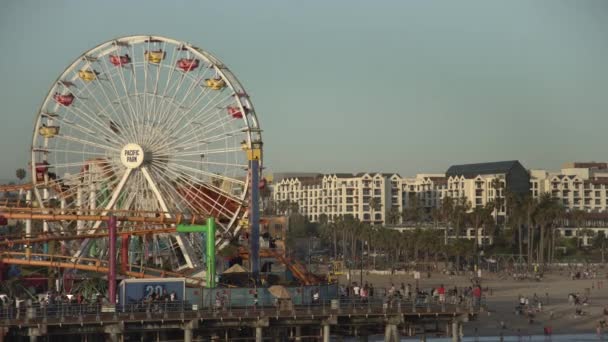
(79, 113)
(121, 76)
(196, 180)
(206, 173)
(193, 161)
(59, 150)
(189, 179)
(100, 107)
(195, 82)
(196, 193)
(208, 152)
(177, 130)
(130, 115)
(87, 132)
(212, 106)
(110, 205)
(185, 248)
(169, 115)
(191, 143)
(179, 202)
(124, 119)
(209, 96)
(86, 142)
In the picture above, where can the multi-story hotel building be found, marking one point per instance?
(582, 186)
(365, 196)
(578, 186)
(370, 196)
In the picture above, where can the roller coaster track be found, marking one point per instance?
(16, 187)
(87, 264)
(297, 269)
(49, 214)
(22, 239)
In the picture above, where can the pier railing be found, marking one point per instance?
(179, 310)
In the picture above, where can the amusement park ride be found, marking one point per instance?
(146, 133)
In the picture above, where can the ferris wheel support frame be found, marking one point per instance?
(254, 155)
(184, 245)
(113, 199)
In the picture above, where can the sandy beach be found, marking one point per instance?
(502, 299)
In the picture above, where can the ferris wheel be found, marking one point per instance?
(151, 125)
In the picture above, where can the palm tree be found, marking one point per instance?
(578, 217)
(375, 203)
(294, 208)
(283, 207)
(413, 211)
(515, 215)
(20, 173)
(393, 215)
(445, 212)
(529, 205)
(497, 185)
(546, 212)
(459, 211)
(600, 242)
(479, 217)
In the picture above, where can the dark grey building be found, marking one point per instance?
(517, 178)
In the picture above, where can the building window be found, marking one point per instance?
(378, 217)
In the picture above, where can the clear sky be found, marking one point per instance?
(405, 86)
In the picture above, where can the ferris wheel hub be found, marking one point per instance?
(132, 156)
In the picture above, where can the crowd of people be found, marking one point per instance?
(471, 295)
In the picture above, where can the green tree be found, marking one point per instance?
(20, 173)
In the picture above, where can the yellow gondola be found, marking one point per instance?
(215, 83)
(155, 56)
(87, 75)
(48, 131)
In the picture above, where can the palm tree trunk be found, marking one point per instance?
(541, 245)
(335, 244)
(519, 233)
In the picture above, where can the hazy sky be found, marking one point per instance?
(406, 86)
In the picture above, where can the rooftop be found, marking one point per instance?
(471, 170)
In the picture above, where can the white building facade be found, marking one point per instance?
(365, 196)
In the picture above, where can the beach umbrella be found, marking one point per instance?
(279, 292)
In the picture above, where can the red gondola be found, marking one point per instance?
(187, 64)
(235, 112)
(41, 170)
(64, 99)
(117, 60)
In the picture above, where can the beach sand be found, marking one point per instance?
(502, 298)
